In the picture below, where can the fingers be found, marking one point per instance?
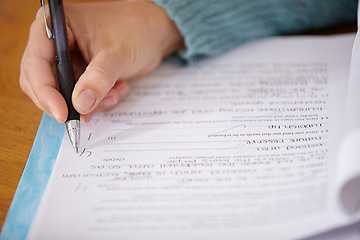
(99, 80)
(42, 89)
(113, 98)
(37, 72)
(103, 52)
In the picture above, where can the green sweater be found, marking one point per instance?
(211, 27)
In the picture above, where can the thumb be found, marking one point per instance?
(94, 84)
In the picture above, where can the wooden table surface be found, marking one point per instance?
(20, 118)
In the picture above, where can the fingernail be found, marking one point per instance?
(53, 114)
(86, 100)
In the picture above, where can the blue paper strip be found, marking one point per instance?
(34, 179)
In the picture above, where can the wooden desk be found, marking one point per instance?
(20, 118)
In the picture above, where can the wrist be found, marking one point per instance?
(170, 38)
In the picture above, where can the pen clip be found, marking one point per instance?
(48, 31)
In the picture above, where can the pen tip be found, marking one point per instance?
(73, 130)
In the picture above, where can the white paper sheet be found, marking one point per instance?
(350, 147)
(245, 145)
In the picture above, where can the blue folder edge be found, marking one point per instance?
(33, 180)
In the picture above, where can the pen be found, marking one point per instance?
(65, 71)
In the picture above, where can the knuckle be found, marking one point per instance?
(39, 20)
(33, 26)
(39, 14)
(107, 79)
(23, 80)
(39, 17)
(127, 54)
(23, 84)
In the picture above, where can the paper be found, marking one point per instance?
(245, 145)
(350, 150)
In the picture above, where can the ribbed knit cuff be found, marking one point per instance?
(211, 27)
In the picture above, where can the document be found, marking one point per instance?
(252, 144)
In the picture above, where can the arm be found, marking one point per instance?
(211, 27)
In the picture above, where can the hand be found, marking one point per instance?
(110, 43)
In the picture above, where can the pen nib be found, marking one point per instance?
(73, 130)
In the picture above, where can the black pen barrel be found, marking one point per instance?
(66, 80)
(65, 69)
(59, 31)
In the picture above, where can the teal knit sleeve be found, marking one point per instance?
(211, 27)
